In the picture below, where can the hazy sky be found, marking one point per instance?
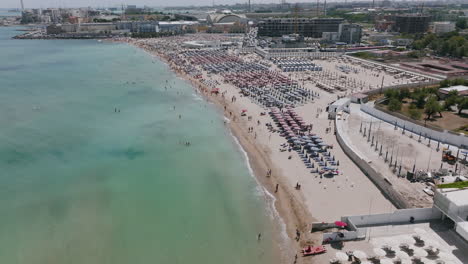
(106, 3)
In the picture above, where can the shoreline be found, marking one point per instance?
(289, 204)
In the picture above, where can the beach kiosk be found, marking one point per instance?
(339, 105)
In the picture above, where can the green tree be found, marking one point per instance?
(451, 99)
(414, 113)
(462, 104)
(461, 23)
(420, 100)
(391, 93)
(394, 105)
(431, 107)
(404, 93)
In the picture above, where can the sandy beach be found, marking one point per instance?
(320, 199)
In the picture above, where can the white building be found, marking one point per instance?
(443, 27)
(338, 106)
(453, 203)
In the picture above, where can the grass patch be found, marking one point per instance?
(462, 129)
(461, 184)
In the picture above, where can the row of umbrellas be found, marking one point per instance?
(310, 147)
(199, 57)
(234, 66)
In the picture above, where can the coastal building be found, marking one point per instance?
(338, 106)
(330, 37)
(225, 17)
(412, 23)
(462, 90)
(442, 27)
(350, 33)
(453, 204)
(307, 27)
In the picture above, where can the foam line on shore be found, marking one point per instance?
(269, 197)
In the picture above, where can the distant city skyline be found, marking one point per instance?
(152, 3)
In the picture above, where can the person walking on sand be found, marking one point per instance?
(276, 190)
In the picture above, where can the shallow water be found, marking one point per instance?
(82, 183)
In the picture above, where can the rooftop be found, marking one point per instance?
(461, 89)
(457, 196)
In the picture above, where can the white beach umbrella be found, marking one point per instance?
(359, 254)
(407, 239)
(402, 255)
(341, 256)
(379, 252)
(419, 252)
(386, 261)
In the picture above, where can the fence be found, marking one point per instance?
(444, 137)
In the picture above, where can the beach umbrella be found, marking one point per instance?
(341, 256)
(359, 254)
(419, 252)
(386, 261)
(341, 224)
(407, 239)
(402, 255)
(379, 252)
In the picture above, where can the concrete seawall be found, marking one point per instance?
(376, 177)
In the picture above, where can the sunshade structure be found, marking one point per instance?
(341, 256)
(402, 255)
(379, 252)
(359, 254)
(386, 261)
(420, 253)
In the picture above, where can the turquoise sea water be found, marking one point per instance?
(80, 183)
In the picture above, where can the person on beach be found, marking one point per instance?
(276, 190)
(259, 237)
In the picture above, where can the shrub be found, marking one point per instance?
(394, 105)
